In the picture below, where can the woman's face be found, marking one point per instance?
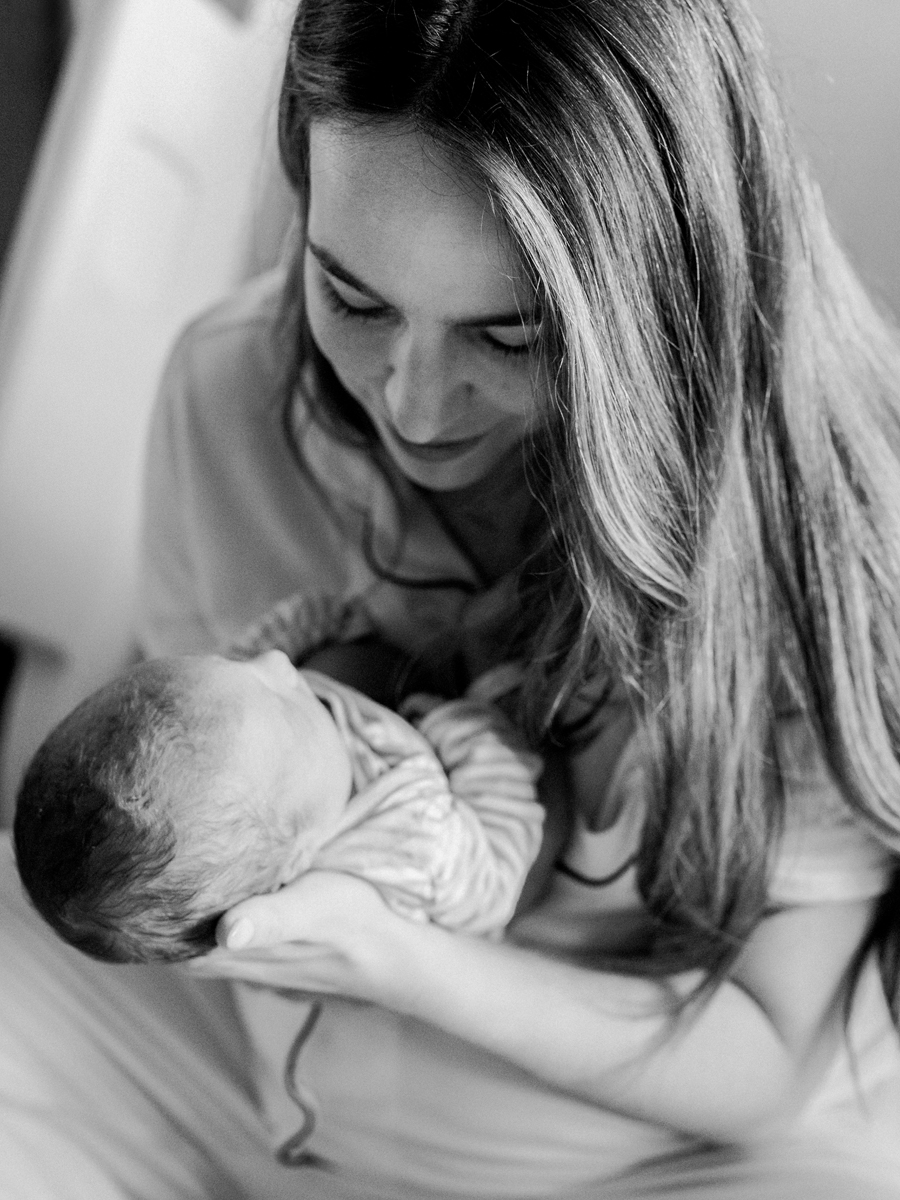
(413, 296)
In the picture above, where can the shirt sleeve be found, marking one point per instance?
(493, 780)
(234, 523)
(825, 855)
(171, 619)
(301, 623)
(445, 820)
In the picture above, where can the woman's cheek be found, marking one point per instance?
(513, 388)
(355, 349)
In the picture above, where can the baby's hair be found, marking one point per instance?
(94, 832)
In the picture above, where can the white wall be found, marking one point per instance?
(840, 67)
(156, 191)
(81, 10)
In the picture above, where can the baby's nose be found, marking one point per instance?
(276, 663)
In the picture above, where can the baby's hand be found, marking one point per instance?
(419, 705)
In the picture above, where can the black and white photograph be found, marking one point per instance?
(449, 600)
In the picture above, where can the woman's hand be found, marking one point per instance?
(326, 933)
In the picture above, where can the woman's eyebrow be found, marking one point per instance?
(508, 318)
(327, 260)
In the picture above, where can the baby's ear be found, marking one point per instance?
(298, 860)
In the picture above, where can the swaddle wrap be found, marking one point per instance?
(444, 819)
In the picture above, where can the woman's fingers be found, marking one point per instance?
(239, 933)
(262, 921)
(316, 908)
(304, 971)
(327, 933)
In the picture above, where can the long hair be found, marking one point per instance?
(719, 450)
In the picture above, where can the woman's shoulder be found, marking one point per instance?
(826, 852)
(252, 309)
(813, 795)
(233, 348)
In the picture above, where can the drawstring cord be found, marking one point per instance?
(293, 1153)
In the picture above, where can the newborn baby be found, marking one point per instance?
(188, 784)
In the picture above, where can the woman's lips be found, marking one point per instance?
(434, 452)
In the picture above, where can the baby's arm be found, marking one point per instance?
(337, 637)
(495, 823)
(301, 624)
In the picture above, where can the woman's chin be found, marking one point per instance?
(444, 471)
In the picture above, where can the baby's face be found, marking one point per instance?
(283, 743)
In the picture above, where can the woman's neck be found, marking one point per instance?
(493, 521)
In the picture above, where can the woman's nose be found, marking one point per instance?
(422, 388)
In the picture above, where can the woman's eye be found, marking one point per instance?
(349, 306)
(512, 340)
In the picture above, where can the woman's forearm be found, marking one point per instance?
(733, 1068)
(604, 1037)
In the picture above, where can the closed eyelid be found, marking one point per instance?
(522, 338)
(336, 272)
(499, 329)
(528, 327)
(507, 322)
(336, 277)
(364, 299)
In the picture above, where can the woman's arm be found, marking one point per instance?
(371, 665)
(733, 1069)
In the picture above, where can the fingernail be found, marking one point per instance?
(240, 934)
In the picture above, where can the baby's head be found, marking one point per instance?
(172, 793)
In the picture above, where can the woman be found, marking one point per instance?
(568, 369)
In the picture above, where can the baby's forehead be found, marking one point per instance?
(213, 690)
(208, 673)
(230, 699)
